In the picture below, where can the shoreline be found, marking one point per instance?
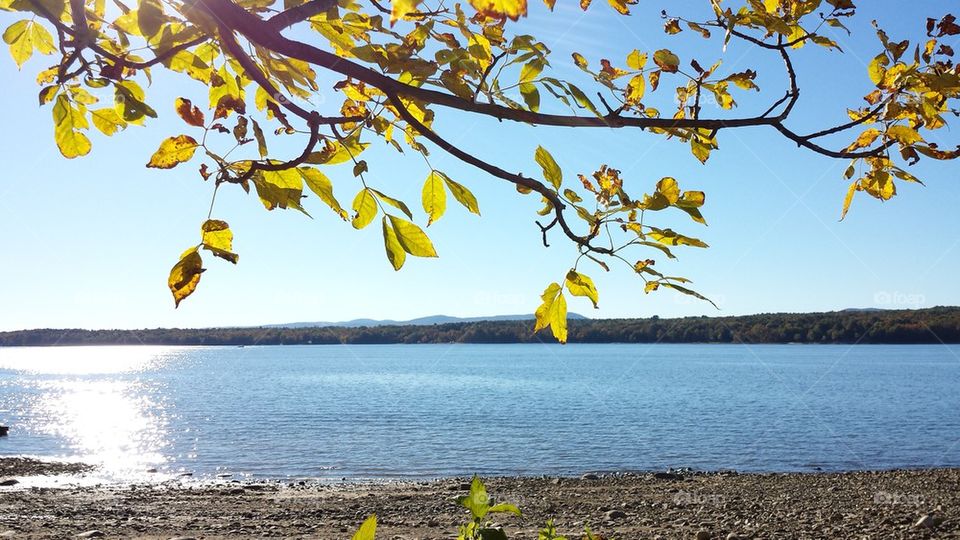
(904, 503)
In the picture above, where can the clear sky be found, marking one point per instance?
(89, 242)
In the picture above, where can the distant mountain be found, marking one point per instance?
(422, 321)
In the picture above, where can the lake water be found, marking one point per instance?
(370, 411)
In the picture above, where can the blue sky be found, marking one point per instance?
(89, 242)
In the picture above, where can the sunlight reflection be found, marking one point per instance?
(100, 402)
(82, 360)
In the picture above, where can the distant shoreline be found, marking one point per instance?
(940, 325)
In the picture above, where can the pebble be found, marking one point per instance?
(615, 514)
(925, 521)
(183, 538)
(95, 533)
(9, 482)
(590, 476)
(703, 535)
(733, 536)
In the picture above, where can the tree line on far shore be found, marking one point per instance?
(934, 325)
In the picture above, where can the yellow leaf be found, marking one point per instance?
(412, 238)
(553, 312)
(218, 238)
(20, 39)
(551, 171)
(173, 151)
(461, 194)
(42, 40)
(395, 253)
(107, 120)
(669, 188)
(849, 198)
(621, 5)
(279, 189)
(904, 135)
(865, 139)
(636, 60)
(401, 8)
(651, 286)
(434, 197)
(581, 285)
(877, 68)
(365, 208)
(513, 9)
(635, 89)
(579, 60)
(367, 530)
(323, 188)
(66, 123)
(666, 60)
(185, 275)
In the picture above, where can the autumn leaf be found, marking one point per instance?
(189, 112)
(463, 195)
(581, 285)
(666, 60)
(185, 275)
(512, 9)
(218, 239)
(553, 312)
(551, 171)
(173, 151)
(364, 207)
(434, 197)
(412, 238)
(67, 121)
(367, 530)
(395, 253)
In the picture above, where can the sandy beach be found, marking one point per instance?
(725, 505)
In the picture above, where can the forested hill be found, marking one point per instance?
(935, 325)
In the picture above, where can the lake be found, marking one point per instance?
(372, 411)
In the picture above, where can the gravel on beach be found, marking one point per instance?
(722, 505)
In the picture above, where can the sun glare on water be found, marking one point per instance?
(101, 402)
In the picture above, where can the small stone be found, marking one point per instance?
(667, 476)
(151, 470)
(590, 476)
(925, 521)
(733, 536)
(91, 534)
(183, 538)
(433, 523)
(615, 514)
(9, 482)
(224, 475)
(8, 534)
(555, 481)
(703, 535)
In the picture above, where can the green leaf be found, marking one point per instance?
(412, 238)
(173, 151)
(553, 312)
(551, 171)
(581, 285)
(505, 508)
(461, 194)
(367, 530)
(67, 121)
(185, 275)
(365, 208)
(666, 60)
(434, 197)
(477, 501)
(321, 186)
(218, 239)
(395, 253)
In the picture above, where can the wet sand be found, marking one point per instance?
(890, 504)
